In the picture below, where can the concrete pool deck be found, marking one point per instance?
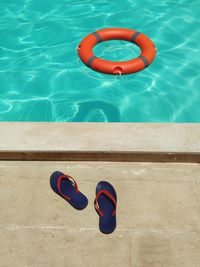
(158, 216)
(154, 168)
(100, 141)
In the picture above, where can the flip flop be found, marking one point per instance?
(105, 204)
(66, 187)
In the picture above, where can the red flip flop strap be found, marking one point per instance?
(108, 194)
(96, 204)
(66, 177)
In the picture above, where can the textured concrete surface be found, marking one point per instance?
(167, 137)
(158, 216)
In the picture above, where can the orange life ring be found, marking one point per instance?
(148, 51)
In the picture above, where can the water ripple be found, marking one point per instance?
(42, 79)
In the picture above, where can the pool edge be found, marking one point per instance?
(153, 142)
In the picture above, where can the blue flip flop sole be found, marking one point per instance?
(77, 199)
(107, 222)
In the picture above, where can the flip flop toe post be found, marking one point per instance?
(66, 187)
(105, 204)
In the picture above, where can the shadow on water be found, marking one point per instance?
(110, 112)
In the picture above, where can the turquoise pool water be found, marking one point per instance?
(42, 78)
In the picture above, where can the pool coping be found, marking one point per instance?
(148, 142)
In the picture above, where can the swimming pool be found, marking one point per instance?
(42, 78)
